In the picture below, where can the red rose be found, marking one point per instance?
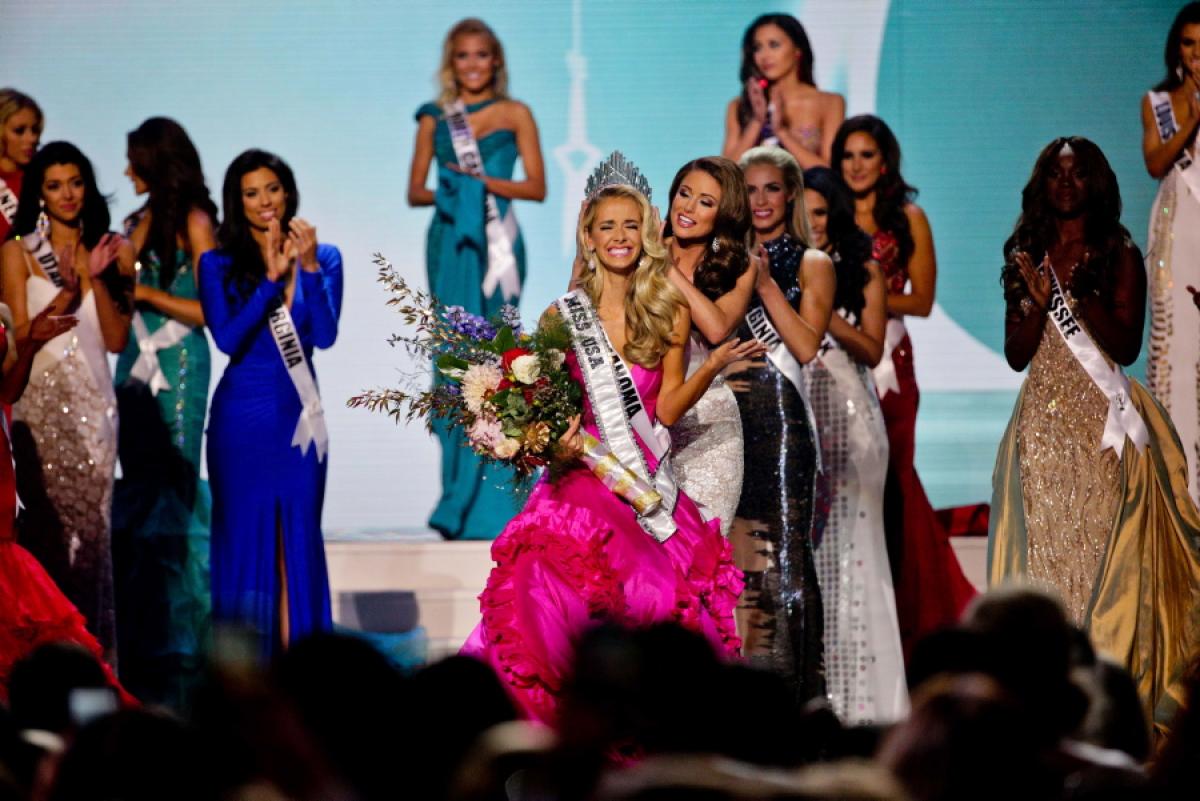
(511, 355)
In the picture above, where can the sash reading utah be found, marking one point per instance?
(501, 232)
(43, 254)
(1123, 419)
(619, 410)
(1164, 117)
(310, 428)
(8, 202)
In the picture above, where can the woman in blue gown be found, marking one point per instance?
(477, 499)
(266, 448)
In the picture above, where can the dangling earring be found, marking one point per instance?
(643, 262)
(883, 170)
(43, 222)
(1179, 72)
(592, 261)
(716, 246)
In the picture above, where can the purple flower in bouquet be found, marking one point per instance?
(468, 324)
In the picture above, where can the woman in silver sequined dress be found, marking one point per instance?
(781, 612)
(864, 662)
(65, 425)
(705, 231)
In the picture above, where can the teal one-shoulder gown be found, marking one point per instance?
(477, 499)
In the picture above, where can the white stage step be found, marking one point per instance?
(447, 577)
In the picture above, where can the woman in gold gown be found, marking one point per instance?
(1090, 490)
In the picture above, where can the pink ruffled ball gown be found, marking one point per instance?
(576, 556)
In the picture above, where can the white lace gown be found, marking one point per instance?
(1173, 263)
(864, 661)
(706, 446)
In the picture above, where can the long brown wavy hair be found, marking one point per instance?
(717, 273)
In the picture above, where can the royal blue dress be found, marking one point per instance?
(477, 499)
(266, 494)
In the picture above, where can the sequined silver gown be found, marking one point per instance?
(864, 661)
(706, 446)
(780, 615)
(65, 446)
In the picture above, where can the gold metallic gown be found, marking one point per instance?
(1117, 537)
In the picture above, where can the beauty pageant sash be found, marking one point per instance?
(8, 202)
(1123, 419)
(620, 412)
(147, 368)
(310, 428)
(784, 361)
(886, 379)
(43, 254)
(501, 232)
(1185, 162)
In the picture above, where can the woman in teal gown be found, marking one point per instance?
(160, 504)
(477, 499)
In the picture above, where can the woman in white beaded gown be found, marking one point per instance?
(65, 425)
(707, 221)
(864, 661)
(1170, 118)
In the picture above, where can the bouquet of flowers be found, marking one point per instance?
(507, 389)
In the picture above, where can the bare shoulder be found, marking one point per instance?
(833, 100)
(815, 259)
(915, 215)
(516, 112)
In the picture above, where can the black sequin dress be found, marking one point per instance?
(780, 613)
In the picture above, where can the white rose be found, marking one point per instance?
(506, 448)
(525, 369)
(556, 357)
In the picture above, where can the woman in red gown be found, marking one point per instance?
(931, 589)
(33, 611)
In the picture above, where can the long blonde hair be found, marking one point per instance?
(652, 301)
(12, 101)
(795, 223)
(445, 75)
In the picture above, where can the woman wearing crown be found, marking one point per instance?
(577, 553)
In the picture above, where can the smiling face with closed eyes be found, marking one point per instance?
(615, 234)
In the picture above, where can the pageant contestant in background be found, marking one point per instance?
(931, 589)
(864, 663)
(271, 295)
(1090, 492)
(705, 233)
(474, 253)
(577, 553)
(1170, 117)
(780, 104)
(33, 610)
(20, 130)
(62, 257)
(780, 613)
(160, 505)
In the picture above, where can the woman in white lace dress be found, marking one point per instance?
(705, 230)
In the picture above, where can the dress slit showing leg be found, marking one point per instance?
(281, 575)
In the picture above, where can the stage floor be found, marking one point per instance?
(427, 581)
